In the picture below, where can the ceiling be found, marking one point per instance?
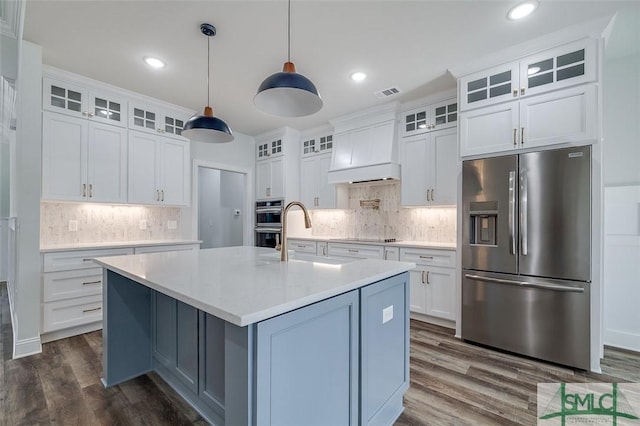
(404, 44)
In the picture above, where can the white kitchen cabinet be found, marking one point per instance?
(316, 145)
(428, 118)
(166, 248)
(563, 116)
(151, 118)
(83, 160)
(302, 246)
(322, 248)
(429, 168)
(433, 282)
(158, 169)
(83, 101)
(316, 191)
(355, 251)
(278, 165)
(391, 253)
(560, 67)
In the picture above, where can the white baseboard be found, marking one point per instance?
(622, 340)
(68, 332)
(433, 320)
(26, 347)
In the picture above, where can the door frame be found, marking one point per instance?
(247, 215)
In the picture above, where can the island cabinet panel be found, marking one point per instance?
(384, 340)
(212, 366)
(307, 365)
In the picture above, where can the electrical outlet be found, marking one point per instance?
(172, 224)
(387, 314)
(73, 225)
(143, 224)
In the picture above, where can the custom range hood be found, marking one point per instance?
(364, 147)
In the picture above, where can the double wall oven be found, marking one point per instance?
(269, 222)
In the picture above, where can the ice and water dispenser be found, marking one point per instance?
(483, 216)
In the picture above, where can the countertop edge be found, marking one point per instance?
(412, 244)
(117, 244)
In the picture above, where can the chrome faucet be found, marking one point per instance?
(284, 254)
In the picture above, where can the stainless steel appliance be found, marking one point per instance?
(526, 254)
(269, 223)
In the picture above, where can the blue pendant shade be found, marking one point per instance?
(207, 128)
(288, 94)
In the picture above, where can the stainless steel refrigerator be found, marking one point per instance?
(526, 254)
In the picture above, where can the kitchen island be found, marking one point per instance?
(249, 340)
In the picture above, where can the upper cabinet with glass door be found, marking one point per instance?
(316, 144)
(154, 118)
(563, 66)
(84, 101)
(428, 118)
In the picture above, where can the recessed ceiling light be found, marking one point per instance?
(154, 62)
(523, 9)
(358, 76)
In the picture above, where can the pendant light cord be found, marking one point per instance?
(208, 68)
(289, 32)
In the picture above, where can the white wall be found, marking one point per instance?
(25, 201)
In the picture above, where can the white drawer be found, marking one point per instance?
(429, 257)
(301, 246)
(358, 251)
(392, 253)
(78, 259)
(159, 249)
(69, 284)
(70, 313)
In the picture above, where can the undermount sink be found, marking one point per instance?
(305, 257)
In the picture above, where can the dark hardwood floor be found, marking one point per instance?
(452, 383)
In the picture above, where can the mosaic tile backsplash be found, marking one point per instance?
(390, 220)
(105, 223)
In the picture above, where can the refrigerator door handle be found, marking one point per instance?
(554, 287)
(512, 211)
(523, 213)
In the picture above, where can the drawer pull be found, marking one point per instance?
(87, 260)
(353, 250)
(301, 246)
(426, 257)
(92, 282)
(84, 311)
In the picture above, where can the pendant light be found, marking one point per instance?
(287, 93)
(207, 127)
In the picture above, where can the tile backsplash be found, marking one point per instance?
(103, 222)
(389, 220)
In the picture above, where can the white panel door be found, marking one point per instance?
(444, 164)
(326, 191)
(489, 130)
(567, 115)
(143, 158)
(64, 153)
(107, 163)
(309, 185)
(440, 285)
(418, 290)
(414, 170)
(174, 172)
(263, 179)
(487, 87)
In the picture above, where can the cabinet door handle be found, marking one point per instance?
(157, 195)
(90, 190)
(515, 136)
(353, 250)
(428, 195)
(515, 93)
(84, 189)
(433, 198)
(422, 277)
(301, 245)
(522, 135)
(92, 282)
(85, 113)
(162, 195)
(90, 115)
(324, 250)
(84, 311)
(385, 255)
(522, 91)
(428, 278)
(425, 257)
(87, 260)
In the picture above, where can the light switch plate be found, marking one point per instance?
(172, 224)
(143, 224)
(73, 225)
(387, 314)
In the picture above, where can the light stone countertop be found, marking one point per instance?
(402, 243)
(112, 244)
(244, 285)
